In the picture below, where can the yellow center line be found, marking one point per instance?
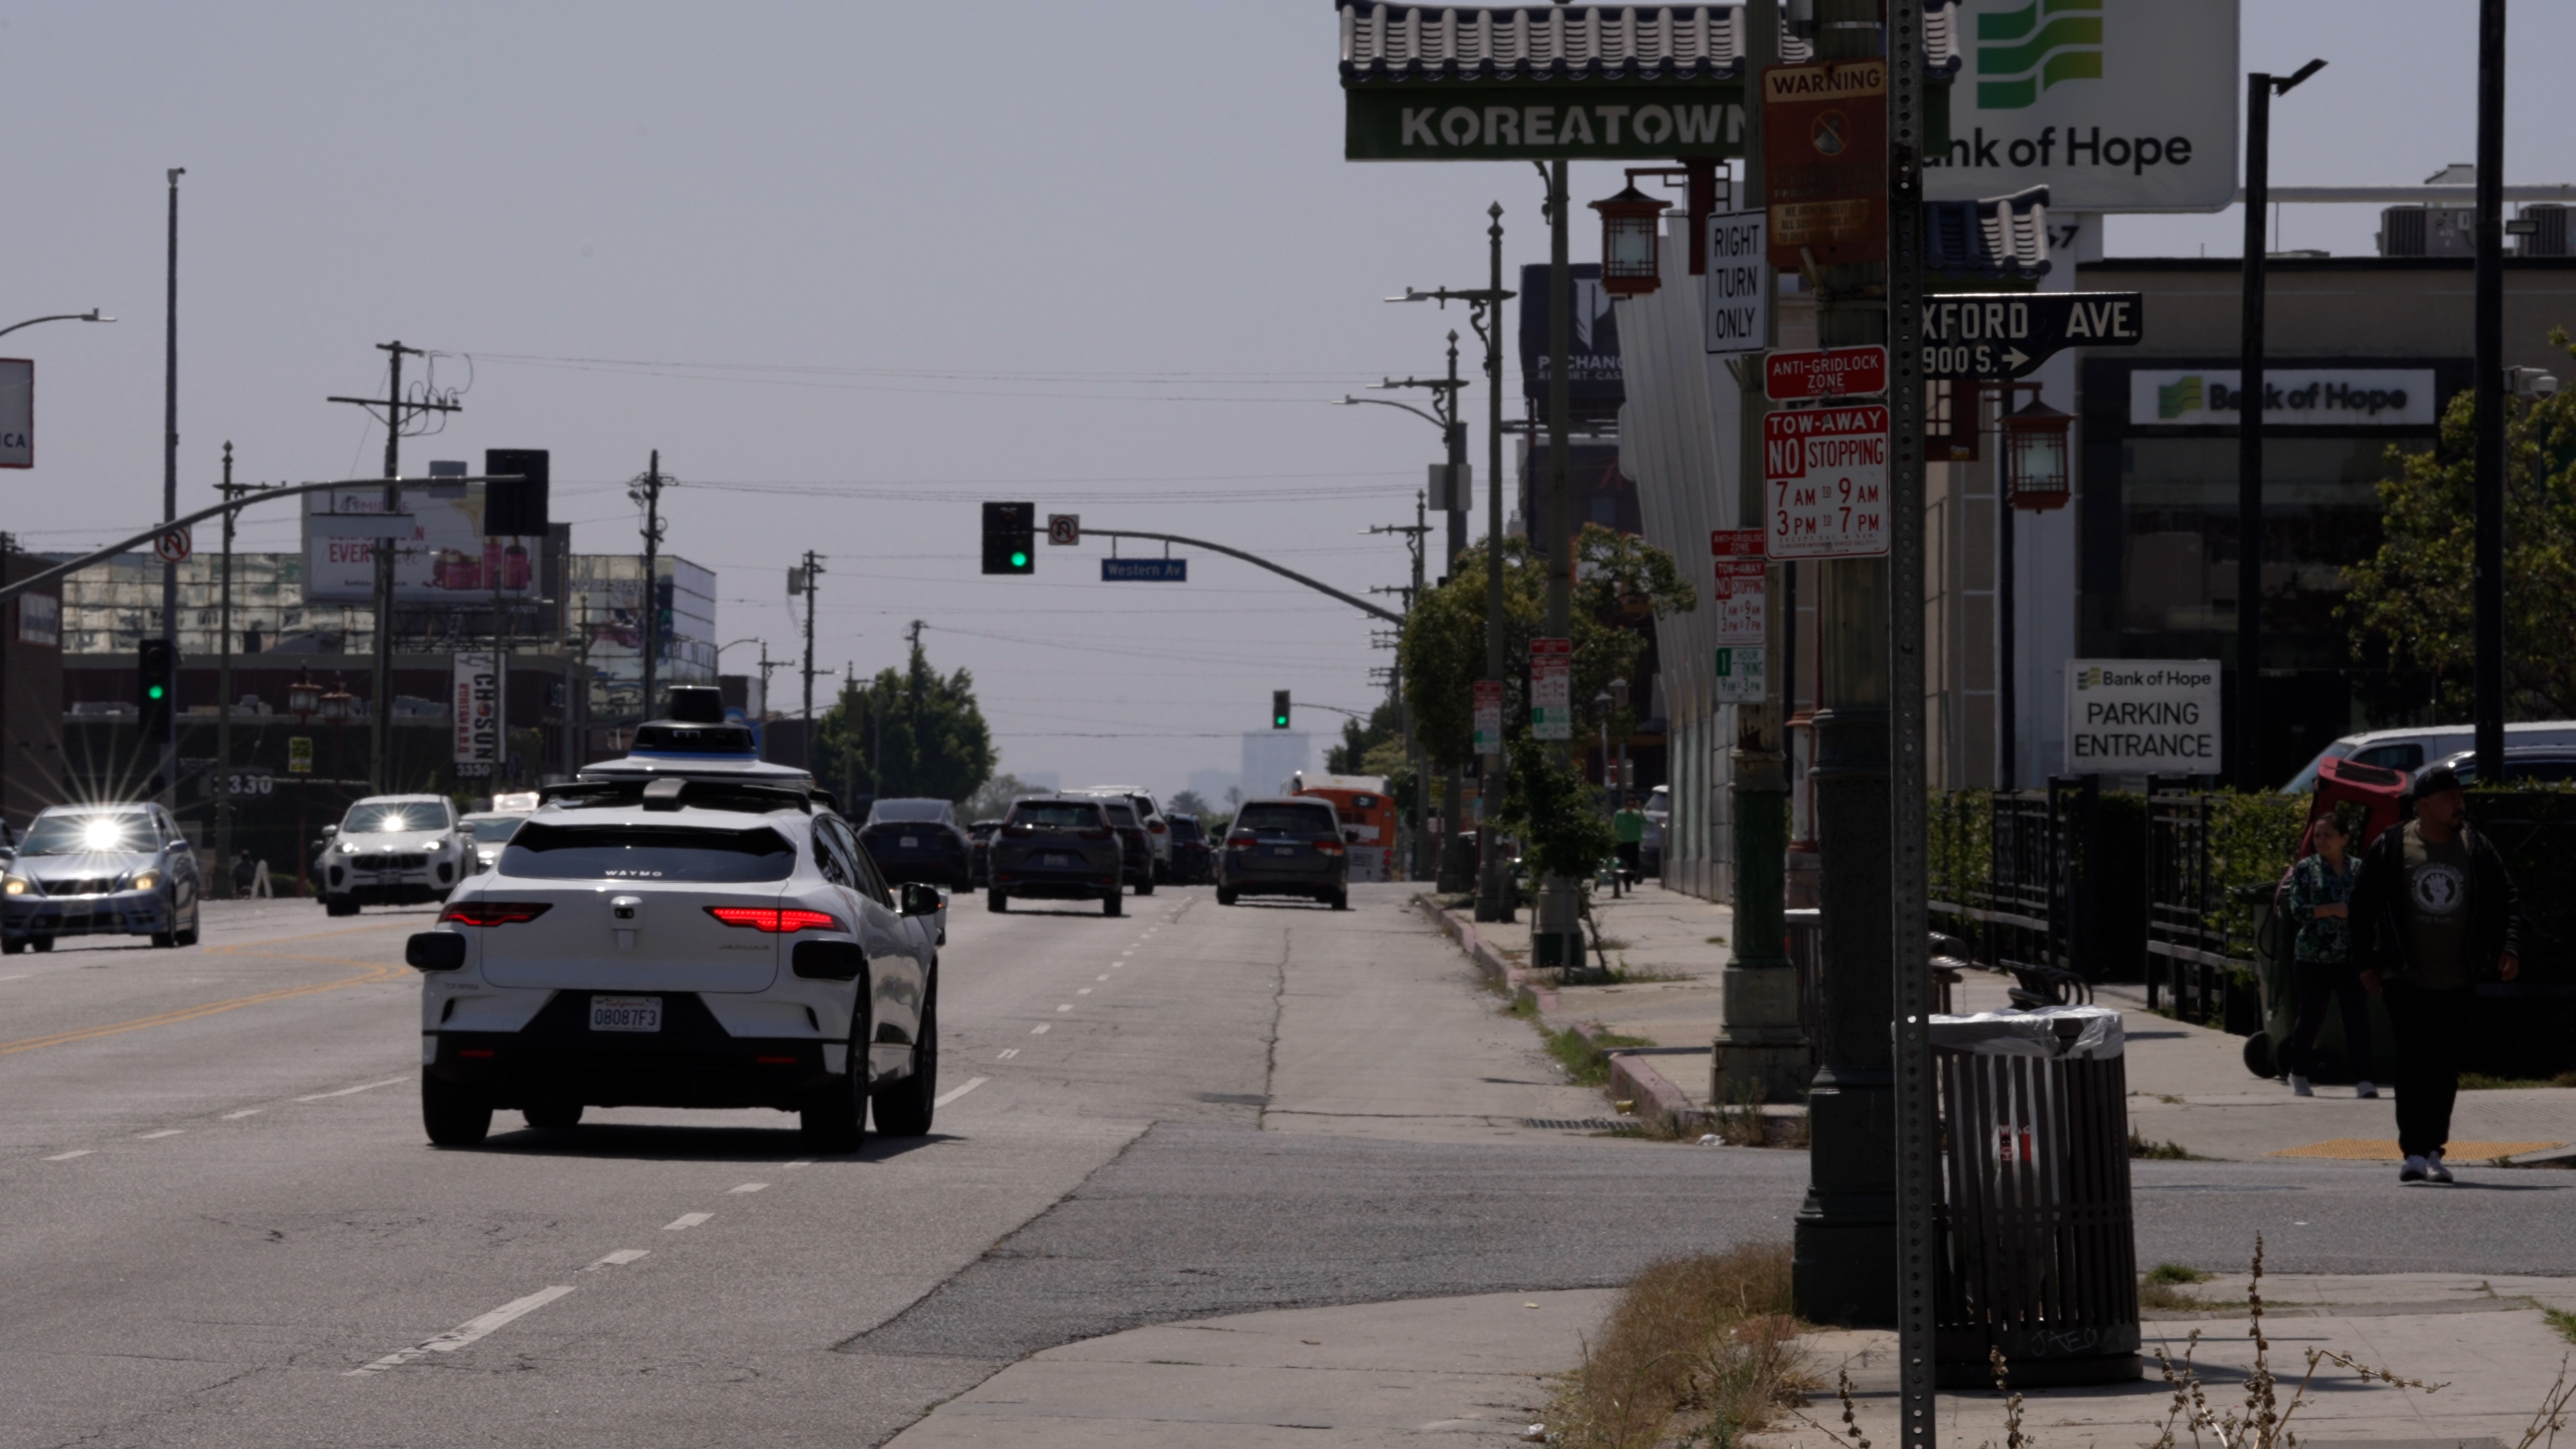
(212, 1008)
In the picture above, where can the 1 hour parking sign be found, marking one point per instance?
(1827, 473)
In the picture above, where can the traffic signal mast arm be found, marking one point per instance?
(290, 490)
(1255, 560)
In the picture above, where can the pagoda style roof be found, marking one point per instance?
(1383, 43)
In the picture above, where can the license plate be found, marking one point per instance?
(1058, 860)
(912, 842)
(1283, 850)
(626, 1013)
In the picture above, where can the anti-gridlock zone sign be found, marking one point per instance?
(1827, 472)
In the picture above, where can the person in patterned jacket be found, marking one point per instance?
(2322, 967)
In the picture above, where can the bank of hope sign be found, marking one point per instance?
(2142, 717)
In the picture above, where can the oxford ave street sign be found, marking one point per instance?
(1144, 571)
(1994, 336)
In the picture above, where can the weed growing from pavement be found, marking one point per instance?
(2563, 1321)
(1587, 1062)
(2161, 1288)
(1696, 1350)
(2481, 1082)
(1738, 1120)
(2159, 1151)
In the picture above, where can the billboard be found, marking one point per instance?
(474, 713)
(2113, 105)
(17, 413)
(441, 554)
(1594, 383)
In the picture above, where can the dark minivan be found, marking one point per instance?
(1285, 847)
(1058, 848)
(918, 840)
(1192, 862)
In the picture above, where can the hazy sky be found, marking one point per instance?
(854, 268)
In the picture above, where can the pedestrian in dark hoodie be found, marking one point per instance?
(2433, 911)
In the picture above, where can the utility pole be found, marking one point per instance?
(812, 571)
(2488, 593)
(1413, 533)
(1760, 1046)
(169, 746)
(766, 665)
(223, 773)
(398, 414)
(647, 491)
(1556, 935)
(1844, 1265)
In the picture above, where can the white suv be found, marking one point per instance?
(393, 850)
(661, 941)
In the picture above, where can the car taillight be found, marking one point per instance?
(774, 919)
(1245, 841)
(493, 913)
(1158, 827)
(1328, 847)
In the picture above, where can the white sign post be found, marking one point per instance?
(1552, 689)
(17, 413)
(1738, 310)
(474, 714)
(2142, 717)
(1739, 674)
(1827, 471)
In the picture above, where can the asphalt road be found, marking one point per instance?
(220, 1224)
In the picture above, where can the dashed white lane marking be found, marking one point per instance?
(361, 1087)
(1085, 991)
(1068, 1006)
(466, 1332)
(618, 1259)
(747, 1187)
(21, 976)
(154, 1136)
(244, 1112)
(802, 1162)
(1102, 977)
(1007, 1054)
(1039, 1030)
(68, 1156)
(953, 1093)
(685, 1220)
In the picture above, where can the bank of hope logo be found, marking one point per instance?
(2021, 53)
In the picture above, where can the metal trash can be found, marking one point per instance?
(2039, 1258)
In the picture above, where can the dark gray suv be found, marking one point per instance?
(1291, 846)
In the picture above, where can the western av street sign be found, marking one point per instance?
(1144, 571)
(1998, 335)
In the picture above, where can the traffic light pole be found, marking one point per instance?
(1363, 605)
(648, 491)
(169, 742)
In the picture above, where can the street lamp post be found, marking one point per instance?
(2259, 90)
(1485, 316)
(92, 315)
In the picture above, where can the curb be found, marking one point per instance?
(1514, 980)
(1654, 1094)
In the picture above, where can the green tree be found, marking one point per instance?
(936, 744)
(992, 800)
(1187, 802)
(2410, 607)
(1621, 584)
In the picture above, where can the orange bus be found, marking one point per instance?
(1367, 813)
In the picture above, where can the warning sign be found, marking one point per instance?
(1824, 149)
(1827, 473)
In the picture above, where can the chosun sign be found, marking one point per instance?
(2142, 717)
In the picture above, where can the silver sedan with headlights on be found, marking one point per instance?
(100, 870)
(394, 850)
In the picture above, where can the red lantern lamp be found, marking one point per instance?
(1631, 235)
(2035, 447)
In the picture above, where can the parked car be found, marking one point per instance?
(1288, 846)
(100, 870)
(979, 842)
(1060, 847)
(919, 840)
(491, 830)
(2542, 765)
(1158, 828)
(681, 942)
(1192, 862)
(2411, 749)
(392, 850)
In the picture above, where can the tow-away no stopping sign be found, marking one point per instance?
(1827, 473)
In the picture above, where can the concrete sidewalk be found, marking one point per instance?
(2187, 1084)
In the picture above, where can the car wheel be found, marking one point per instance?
(1340, 900)
(164, 940)
(904, 1109)
(1225, 895)
(11, 948)
(1114, 904)
(835, 1117)
(453, 1116)
(196, 920)
(40, 943)
(1145, 887)
(339, 906)
(995, 901)
(553, 1116)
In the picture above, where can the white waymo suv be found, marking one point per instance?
(687, 927)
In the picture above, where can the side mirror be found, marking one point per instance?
(918, 899)
(330, 830)
(434, 951)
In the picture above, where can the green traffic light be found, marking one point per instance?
(1019, 560)
(155, 691)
